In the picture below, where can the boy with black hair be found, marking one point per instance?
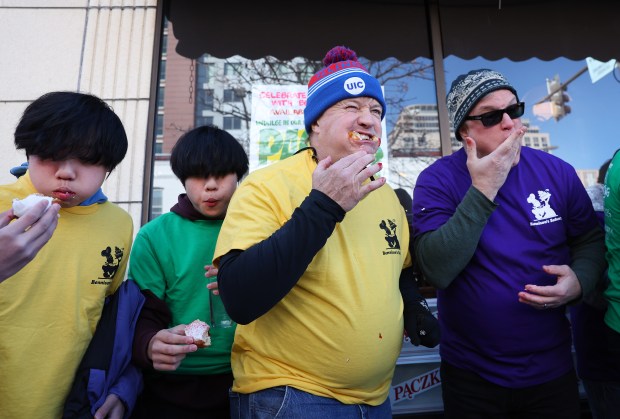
(50, 308)
(168, 263)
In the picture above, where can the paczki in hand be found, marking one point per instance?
(20, 206)
(199, 330)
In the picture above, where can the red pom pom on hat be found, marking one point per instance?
(338, 54)
(342, 77)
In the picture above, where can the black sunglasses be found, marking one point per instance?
(494, 117)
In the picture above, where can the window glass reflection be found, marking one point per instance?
(581, 133)
(156, 207)
(260, 102)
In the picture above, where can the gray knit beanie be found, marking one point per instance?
(468, 89)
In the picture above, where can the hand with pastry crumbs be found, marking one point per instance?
(169, 347)
(345, 180)
(21, 239)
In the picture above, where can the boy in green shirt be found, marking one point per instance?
(168, 262)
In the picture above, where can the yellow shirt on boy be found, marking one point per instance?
(49, 309)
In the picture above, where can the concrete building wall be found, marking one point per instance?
(92, 46)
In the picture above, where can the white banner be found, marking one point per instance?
(277, 127)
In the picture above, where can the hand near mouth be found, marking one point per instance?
(346, 180)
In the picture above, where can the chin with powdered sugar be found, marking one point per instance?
(20, 206)
(199, 330)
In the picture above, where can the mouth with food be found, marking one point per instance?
(369, 143)
(63, 194)
(357, 136)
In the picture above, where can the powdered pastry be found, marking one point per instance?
(199, 330)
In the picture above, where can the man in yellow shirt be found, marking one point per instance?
(310, 256)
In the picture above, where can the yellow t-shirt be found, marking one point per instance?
(49, 309)
(339, 331)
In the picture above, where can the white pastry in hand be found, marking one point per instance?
(20, 206)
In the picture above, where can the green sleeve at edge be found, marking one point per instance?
(588, 259)
(443, 253)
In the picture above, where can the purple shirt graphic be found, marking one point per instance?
(484, 327)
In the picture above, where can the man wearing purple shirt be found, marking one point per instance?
(509, 237)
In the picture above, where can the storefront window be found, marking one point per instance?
(580, 131)
(260, 102)
(246, 70)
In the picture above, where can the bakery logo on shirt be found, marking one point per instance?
(543, 213)
(110, 265)
(389, 227)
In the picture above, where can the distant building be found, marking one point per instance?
(535, 139)
(414, 143)
(416, 134)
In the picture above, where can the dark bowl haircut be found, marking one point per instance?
(68, 125)
(207, 151)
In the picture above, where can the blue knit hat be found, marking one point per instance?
(342, 78)
(468, 89)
